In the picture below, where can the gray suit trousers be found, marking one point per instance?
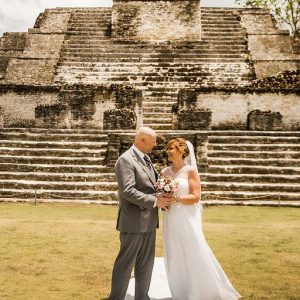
(136, 250)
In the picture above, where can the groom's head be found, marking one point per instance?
(145, 139)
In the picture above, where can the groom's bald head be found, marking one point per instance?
(145, 139)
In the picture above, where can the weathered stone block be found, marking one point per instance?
(194, 119)
(230, 108)
(4, 60)
(30, 71)
(271, 48)
(119, 119)
(13, 41)
(52, 116)
(19, 106)
(53, 21)
(156, 20)
(264, 120)
(43, 46)
(258, 21)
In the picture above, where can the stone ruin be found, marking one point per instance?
(157, 48)
(209, 74)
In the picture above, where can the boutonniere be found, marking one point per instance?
(158, 167)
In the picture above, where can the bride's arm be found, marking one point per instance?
(195, 189)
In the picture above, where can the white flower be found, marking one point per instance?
(167, 188)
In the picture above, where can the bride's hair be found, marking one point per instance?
(180, 145)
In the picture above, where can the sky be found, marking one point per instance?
(19, 15)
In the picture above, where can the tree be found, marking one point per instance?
(286, 11)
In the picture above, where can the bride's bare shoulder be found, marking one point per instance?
(191, 169)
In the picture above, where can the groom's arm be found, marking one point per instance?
(127, 185)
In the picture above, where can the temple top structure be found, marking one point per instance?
(156, 20)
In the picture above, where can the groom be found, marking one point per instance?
(137, 216)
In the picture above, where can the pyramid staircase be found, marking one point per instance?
(60, 164)
(90, 56)
(252, 166)
(67, 165)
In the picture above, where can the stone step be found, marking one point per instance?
(55, 168)
(255, 147)
(152, 53)
(233, 32)
(52, 152)
(77, 131)
(70, 80)
(206, 25)
(106, 42)
(51, 144)
(280, 162)
(77, 39)
(212, 38)
(228, 82)
(167, 93)
(158, 120)
(139, 81)
(253, 178)
(254, 139)
(218, 16)
(151, 110)
(136, 71)
(157, 115)
(159, 104)
(86, 33)
(254, 154)
(141, 65)
(57, 195)
(194, 55)
(225, 48)
(58, 185)
(100, 138)
(156, 126)
(41, 176)
(51, 160)
(100, 27)
(225, 133)
(92, 15)
(250, 187)
(249, 195)
(153, 60)
(246, 169)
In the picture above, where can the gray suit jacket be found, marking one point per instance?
(136, 193)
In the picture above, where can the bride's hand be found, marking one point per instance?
(164, 201)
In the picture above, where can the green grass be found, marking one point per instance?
(55, 251)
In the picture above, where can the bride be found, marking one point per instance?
(193, 272)
(190, 270)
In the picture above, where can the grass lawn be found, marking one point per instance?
(56, 251)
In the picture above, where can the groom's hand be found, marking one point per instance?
(164, 201)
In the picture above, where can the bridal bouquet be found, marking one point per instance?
(166, 185)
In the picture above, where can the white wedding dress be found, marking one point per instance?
(191, 270)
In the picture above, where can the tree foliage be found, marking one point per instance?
(286, 11)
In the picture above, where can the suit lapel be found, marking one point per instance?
(145, 168)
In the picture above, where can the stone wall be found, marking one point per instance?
(12, 45)
(156, 20)
(231, 108)
(67, 107)
(40, 56)
(19, 106)
(271, 48)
